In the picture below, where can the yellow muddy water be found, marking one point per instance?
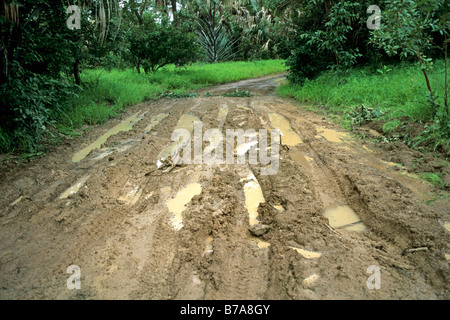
(178, 204)
(343, 217)
(260, 243)
(288, 136)
(155, 121)
(126, 125)
(186, 122)
(131, 194)
(253, 197)
(306, 253)
(331, 135)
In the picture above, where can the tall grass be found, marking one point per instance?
(107, 93)
(5, 141)
(400, 92)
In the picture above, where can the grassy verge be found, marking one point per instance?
(107, 93)
(393, 101)
(395, 96)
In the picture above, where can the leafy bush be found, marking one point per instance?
(5, 141)
(324, 35)
(27, 100)
(407, 31)
(362, 115)
(154, 45)
(35, 51)
(305, 62)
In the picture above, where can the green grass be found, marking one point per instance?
(5, 141)
(434, 178)
(108, 93)
(399, 92)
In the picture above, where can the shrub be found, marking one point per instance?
(305, 62)
(154, 45)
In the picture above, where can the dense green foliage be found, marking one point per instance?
(154, 45)
(216, 42)
(34, 52)
(330, 40)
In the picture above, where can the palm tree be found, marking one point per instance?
(255, 21)
(213, 37)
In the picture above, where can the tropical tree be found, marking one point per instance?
(333, 39)
(213, 36)
(157, 42)
(255, 25)
(35, 48)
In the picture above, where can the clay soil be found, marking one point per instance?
(117, 227)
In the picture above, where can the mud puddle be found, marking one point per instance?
(75, 188)
(288, 136)
(178, 204)
(155, 121)
(331, 135)
(124, 126)
(344, 218)
(253, 197)
(306, 253)
(131, 194)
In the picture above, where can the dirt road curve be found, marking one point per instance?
(334, 209)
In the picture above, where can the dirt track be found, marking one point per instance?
(120, 227)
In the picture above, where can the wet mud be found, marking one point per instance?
(198, 231)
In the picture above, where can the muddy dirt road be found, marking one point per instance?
(335, 208)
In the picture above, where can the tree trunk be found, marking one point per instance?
(425, 74)
(174, 10)
(174, 6)
(138, 66)
(4, 63)
(138, 17)
(76, 72)
(327, 7)
(446, 77)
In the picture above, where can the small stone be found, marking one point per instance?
(259, 230)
